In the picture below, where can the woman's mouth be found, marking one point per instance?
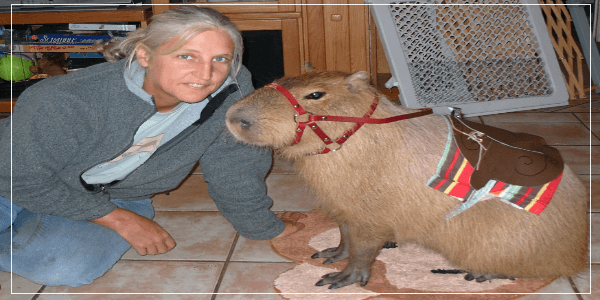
(196, 85)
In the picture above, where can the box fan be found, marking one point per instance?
(480, 56)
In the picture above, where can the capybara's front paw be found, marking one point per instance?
(332, 254)
(346, 277)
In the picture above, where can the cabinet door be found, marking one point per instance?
(337, 35)
(227, 7)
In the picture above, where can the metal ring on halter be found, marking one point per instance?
(297, 115)
(333, 150)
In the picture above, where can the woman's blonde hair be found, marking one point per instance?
(183, 22)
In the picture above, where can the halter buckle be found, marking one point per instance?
(307, 114)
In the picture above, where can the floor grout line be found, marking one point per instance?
(225, 265)
(575, 289)
(39, 292)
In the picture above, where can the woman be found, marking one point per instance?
(90, 148)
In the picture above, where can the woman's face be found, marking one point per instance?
(189, 74)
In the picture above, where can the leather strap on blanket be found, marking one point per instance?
(514, 158)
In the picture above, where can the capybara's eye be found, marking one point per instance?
(315, 95)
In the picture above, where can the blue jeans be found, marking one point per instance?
(52, 250)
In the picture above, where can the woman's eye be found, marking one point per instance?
(221, 59)
(184, 56)
(315, 95)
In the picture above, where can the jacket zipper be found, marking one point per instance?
(103, 187)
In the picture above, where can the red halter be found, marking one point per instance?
(311, 122)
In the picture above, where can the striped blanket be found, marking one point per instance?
(454, 173)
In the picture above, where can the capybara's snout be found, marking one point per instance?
(262, 118)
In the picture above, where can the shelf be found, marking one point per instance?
(125, 14)
(7, 104)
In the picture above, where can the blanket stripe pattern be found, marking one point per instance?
(454, 173)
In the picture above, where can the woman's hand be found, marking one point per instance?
(291, 222)
(143, 234)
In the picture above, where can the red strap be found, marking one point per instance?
(423, 112)
(289, 96)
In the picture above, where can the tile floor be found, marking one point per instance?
(212, 258)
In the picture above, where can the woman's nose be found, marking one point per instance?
(203, 71)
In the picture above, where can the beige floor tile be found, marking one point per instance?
(581, 106)
(289, 193)
(578, 158)
(560, 289)
(589, 289)
(562, 133)
(550, 109)
(248, 250)
(591, 121)
(190, 195)
(594, 182)
(252, 278)
(147, 277)
(594, 125)
(588, 117)
(595, 242)
(22, 289)
(199, 236)
(530, 117)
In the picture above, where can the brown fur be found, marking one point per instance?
(376, 183)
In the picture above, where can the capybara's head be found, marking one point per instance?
(266, 117)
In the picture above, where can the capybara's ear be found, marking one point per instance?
(308, 67)
(357, 82)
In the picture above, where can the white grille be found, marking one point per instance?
(459, 55)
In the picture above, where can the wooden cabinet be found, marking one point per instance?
(126, 14)
(338, 35)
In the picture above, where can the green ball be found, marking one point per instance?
(20, 68)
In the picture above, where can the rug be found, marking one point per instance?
(398, 273)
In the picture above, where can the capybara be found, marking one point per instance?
(374, 185)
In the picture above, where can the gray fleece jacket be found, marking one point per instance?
(64, 125)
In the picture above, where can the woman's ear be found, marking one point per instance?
(142, 56)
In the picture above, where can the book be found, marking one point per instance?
(53, 48)
(62, 39)
(86, 55)
(100, 26)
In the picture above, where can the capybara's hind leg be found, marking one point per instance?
(363, 251)
(338, 253)
(479, 277)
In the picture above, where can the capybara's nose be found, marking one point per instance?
(240, 121)
(240, 118)
(244, 123)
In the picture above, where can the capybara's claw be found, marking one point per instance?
(341, 279)
(329, 275)
(332, 255)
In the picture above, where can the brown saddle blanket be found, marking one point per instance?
(515, 158)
